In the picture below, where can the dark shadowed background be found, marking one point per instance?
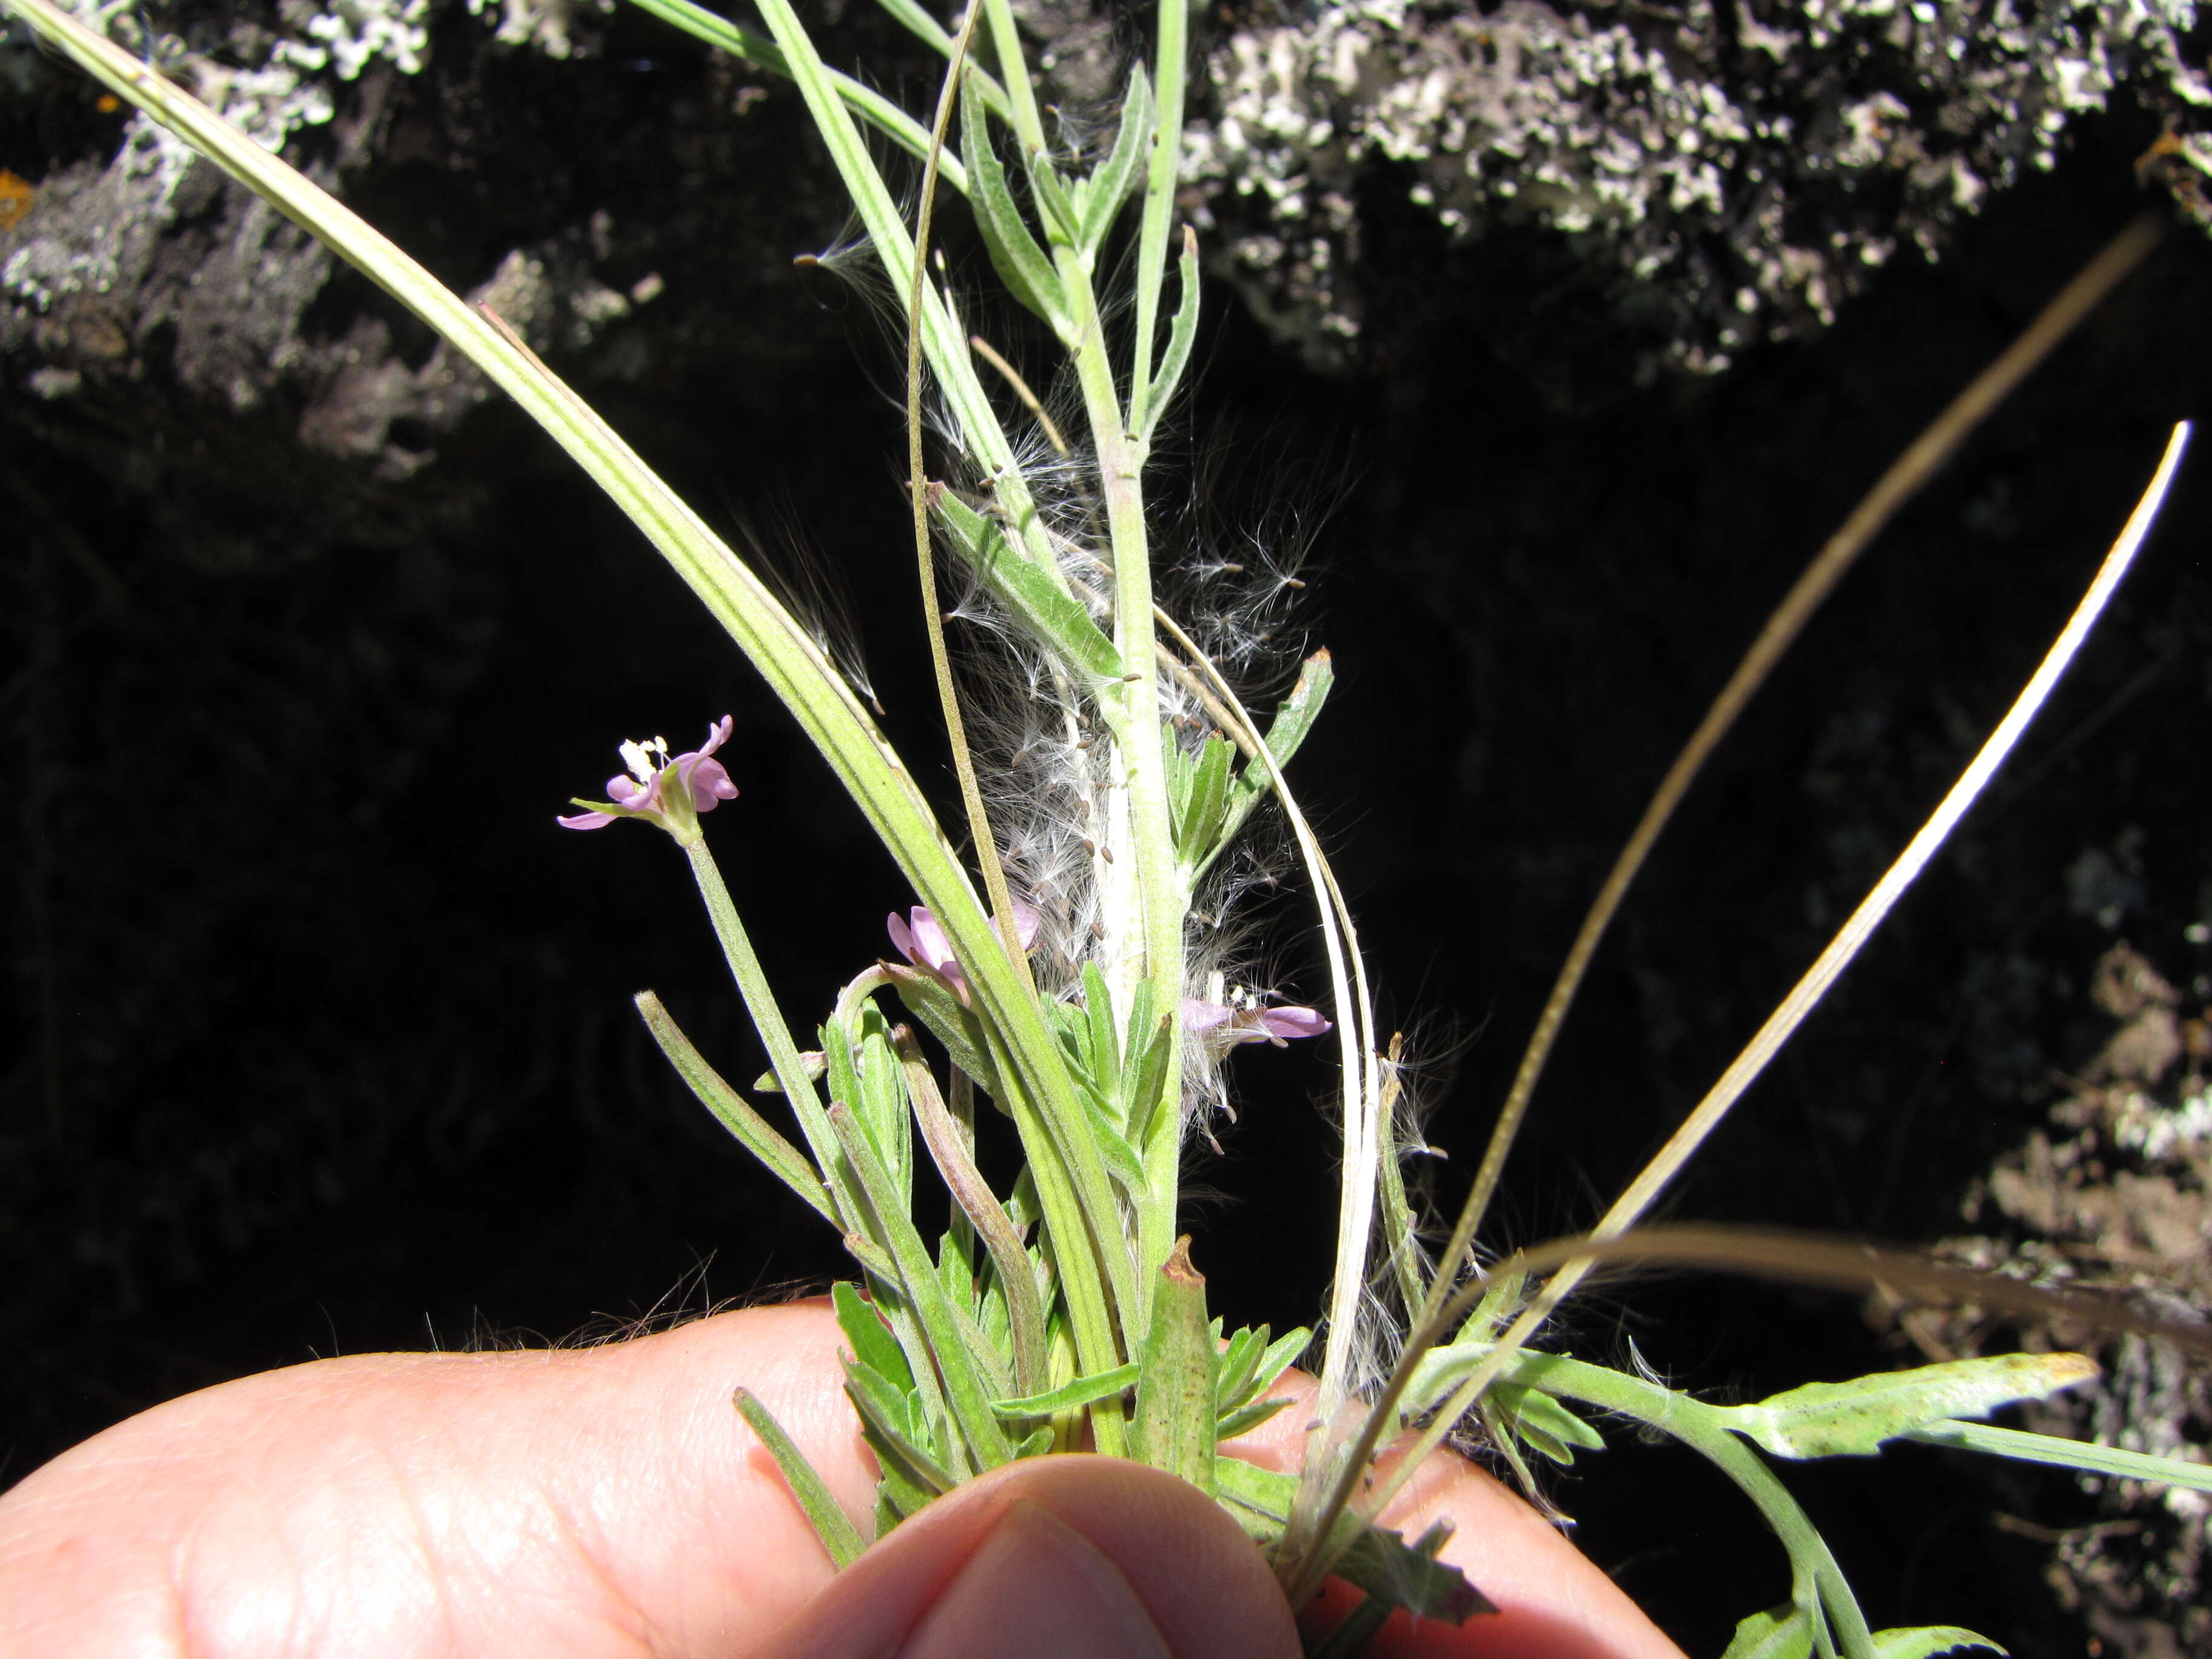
(317, 1038)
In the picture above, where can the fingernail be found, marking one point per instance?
(1036, 1589)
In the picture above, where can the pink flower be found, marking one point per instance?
(1228, 1025)
(921, 941)
(669, 790)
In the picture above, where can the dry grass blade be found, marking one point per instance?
(1632, 1203)
(1899, 484)
(955, 727)
(1840, 1264)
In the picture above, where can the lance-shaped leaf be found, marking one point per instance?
(1202, 800)
(1109, 186)
(1852, 1420)
(785, 1161)
(966, 1395)
(1174, 1425)
(1541, 1423)
(1070, 1396)
(873, 1345)
(1782, 1632)
(952, 1023)
(1294, 718)
(831, 1525)
(1024, 266)
(1182, 333)
(1147, 1071)
(1268, 1362)
(1105, 1038)
(1038, 597)
(1025, 1310)
(911, 1476)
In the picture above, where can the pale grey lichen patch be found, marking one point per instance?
(559, 28)
(1728, 174)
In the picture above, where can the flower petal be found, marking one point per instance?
(709, 783)
(902, 937)
(929, 938)
(1293, 1022)
(1200, 1015)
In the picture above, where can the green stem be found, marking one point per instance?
(1699, 1427)
(759, 998)
(1139, 743)
(1160, 180)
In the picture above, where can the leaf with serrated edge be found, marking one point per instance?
(1852, 1420)
(1782, 1632)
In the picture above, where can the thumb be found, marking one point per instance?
(1072, 1558)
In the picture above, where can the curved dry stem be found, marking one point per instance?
(1367, 1136)
(1740, 1075)
(948, 695)
(1912, 469)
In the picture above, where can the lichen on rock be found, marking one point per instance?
(1729, 175)
(2116, 1192)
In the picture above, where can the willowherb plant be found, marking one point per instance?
(1083, 980)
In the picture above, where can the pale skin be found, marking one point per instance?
(610, 1504)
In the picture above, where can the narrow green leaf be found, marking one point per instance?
(1063, 224)
(1070, 1396)
(1105, 1040)
(1173, 1429)
(873, 1345)
(951, 1024)
(1035, 1443)
(1852, 1420)
(1147, 1080)
(956, 1163)
(1024, 266)
(1294, 718)
(1278, 1357)
(1247, 1418)
(1121, 1158)
(1050, 613)
(1543, 1422)
(785, 1161)
(1926, 1641)
(1182, 332)
(1782, 1632)
(767, 1082)
(965, 1394)
(911, 1476)
(1239, 1358)
(1109, 186)
(882, 1101)
(831, 1525)
(1204, 807)
(865, 101)
(2026, 1448)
